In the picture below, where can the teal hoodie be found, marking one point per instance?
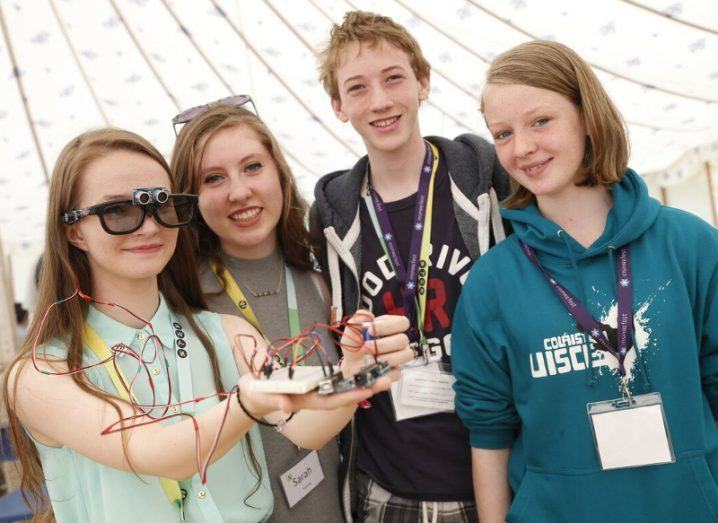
(521, 362)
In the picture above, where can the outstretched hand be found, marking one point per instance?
(389, 344)
(260, 404)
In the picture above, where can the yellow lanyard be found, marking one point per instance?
(426, 243)
(93, 341)
(239, 299)
(237, 296)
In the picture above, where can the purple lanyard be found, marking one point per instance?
(407, 276)
(585, 320)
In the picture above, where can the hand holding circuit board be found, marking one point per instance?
(277, 379)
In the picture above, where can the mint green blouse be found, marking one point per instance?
(82, 490)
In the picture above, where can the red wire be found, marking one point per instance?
(145, 411)
(308, 340)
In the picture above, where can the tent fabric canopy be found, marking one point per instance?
(71, 65)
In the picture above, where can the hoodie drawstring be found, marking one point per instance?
(497, 223)
(641, 364)
(483, 223)
(425, 512)
(489, 219)
(334, 278)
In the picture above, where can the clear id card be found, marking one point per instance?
(631, 432)
(423, 390)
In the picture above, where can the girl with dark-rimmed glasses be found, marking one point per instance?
(125, 390)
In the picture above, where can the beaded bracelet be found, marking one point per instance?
(279, 425)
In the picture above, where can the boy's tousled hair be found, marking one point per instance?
(367, 28)
(556, 67)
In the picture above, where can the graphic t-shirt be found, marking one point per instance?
(429, 457)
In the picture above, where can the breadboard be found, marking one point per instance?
(304, 379)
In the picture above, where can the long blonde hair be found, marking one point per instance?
(556, 67)
(64, 267)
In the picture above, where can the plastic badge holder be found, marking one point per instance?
(423, 390)
(631, 433)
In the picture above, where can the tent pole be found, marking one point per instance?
(8, 328)
(712, 194)
(664, 195)
(17, 73)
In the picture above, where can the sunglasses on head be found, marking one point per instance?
(190, 114)
(127, 216)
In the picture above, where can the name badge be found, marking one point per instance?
(302, 478)
(422, 390)
(631, 433)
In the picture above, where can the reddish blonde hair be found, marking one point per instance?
(556, 67)
(367, 28)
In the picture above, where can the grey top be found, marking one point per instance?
(323, 503)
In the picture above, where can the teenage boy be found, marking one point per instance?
(397, 234)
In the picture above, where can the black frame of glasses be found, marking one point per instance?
(72, 217)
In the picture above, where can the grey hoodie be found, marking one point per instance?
(478, 182)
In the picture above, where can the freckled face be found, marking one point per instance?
(539, 135)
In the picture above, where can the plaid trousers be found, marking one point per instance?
(377, 505)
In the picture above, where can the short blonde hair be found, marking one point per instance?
(369, 28)
(556, 67)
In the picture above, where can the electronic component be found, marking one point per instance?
(366, 376)
(369, 374)
(331, 384)
(301, 379)
(290, 380)
(366, 334)
(145, 196)
(327, 378)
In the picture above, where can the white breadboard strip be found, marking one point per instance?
(304, 379)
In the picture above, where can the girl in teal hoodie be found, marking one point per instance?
(603, 302)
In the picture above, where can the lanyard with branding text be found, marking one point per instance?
(584, 318)
(414, 276)
(240, 301)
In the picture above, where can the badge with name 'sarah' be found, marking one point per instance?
(631, 432)
(302, 478)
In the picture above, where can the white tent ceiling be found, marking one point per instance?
(70, 65)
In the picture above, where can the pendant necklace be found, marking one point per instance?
(272, 292)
